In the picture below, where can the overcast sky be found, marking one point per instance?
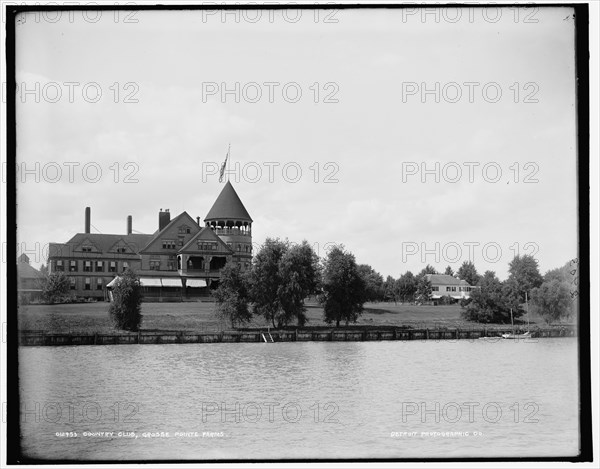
(355, 141)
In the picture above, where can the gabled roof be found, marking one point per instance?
(87, 242)
(26, 271)
(103, 242)
(179, 219)
(24, 258)
(228, 206)
(208, 234)
(442, 279)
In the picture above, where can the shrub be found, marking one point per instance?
(125, 309)
(447, 300)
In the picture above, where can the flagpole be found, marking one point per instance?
(228, 161)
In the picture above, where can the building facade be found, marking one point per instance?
(30, 281)
(447, 285)
(180, 260)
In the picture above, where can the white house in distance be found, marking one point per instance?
(447, 285)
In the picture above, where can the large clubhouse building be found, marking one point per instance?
(181, 260)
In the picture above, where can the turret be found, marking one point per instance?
(231, 222)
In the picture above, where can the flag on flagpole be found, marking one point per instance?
(224, 164)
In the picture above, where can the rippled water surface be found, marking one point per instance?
(301, 400)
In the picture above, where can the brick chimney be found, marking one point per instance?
(164, 218)
(88, 219)
(129, 224)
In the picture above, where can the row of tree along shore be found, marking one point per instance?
(283, 275)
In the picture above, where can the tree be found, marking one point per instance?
(125, 309)
(299, 272)
(265, 279)
(44, 270)
(468, 273)
(373, 282)
(282, 277)
(449, 271)
(390, 289)
(424, 288)
(560, 274)
(232, 296)
(524, 275)
(407, 286)
(427, 270)
(487, 303)
(552, 300)
(511, 294)
(55, 287)
(344, 289)
(568, 274)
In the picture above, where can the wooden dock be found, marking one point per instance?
(41, 338)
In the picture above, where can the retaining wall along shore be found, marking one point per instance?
(41, 338)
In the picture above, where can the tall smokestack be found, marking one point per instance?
(88, 219)
(129, 224)
(198, 220)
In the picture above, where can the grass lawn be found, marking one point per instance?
(200, 316)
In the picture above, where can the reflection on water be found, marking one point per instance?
(301, 400)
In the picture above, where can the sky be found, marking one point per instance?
(411, 137)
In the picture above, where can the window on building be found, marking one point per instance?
(60, 267)
(99, 266)
(72, 283)
(172, 264)
(72, 266)
(99, 284)
(125, 266)
(435, 288)
(168, 244)
(87, 266)
(121, 250)
(88, 283)
(86, 248)
(207, 246)
(155, 265)
(112, 266)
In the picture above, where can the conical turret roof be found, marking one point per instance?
(228, 206)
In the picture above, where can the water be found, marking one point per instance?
(302, 400)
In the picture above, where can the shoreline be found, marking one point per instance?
(350, 334)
